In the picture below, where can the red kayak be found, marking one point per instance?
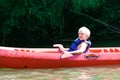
(11, 57)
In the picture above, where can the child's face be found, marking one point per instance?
(82, 36)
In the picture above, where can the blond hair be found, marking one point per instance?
(85, 30)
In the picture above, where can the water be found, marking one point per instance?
(81, 73)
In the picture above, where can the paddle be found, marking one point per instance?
(62, 50)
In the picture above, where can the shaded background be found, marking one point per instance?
(41, 23)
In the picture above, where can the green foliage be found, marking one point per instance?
(79, 5)
(50, 18)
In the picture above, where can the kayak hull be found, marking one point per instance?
(51, 58)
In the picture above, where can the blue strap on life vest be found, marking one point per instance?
(89, 45)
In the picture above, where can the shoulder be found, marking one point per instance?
(77, 39)
(88, 42)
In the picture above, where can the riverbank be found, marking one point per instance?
(67, 44)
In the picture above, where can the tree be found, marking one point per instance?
(47, 17)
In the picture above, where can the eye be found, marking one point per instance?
(81, 33)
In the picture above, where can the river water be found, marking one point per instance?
(81, 73)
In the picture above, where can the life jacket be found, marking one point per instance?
(76, 42)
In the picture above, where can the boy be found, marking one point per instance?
(80, 45)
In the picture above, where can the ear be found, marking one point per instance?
(87, 36)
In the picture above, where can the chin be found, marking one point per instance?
(81, 39)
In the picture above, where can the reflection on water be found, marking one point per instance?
(82, 73)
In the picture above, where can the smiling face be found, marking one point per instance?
(82, 36)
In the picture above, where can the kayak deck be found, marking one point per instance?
(50, 58)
